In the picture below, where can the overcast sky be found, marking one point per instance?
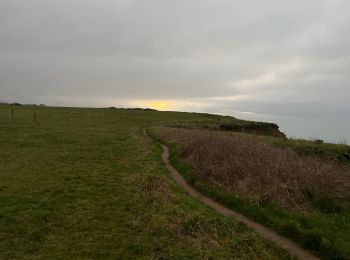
(274, 60)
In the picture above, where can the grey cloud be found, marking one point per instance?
(289, 58)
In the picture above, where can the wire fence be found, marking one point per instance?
(41, 115)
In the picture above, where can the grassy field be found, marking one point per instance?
(299, 188)
(85, 183)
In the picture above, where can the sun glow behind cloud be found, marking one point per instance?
(155, 104)
(290, 60)
(160, 105)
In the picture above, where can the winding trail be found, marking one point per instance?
(269, 234)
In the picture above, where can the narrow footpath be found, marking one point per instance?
(269, 234)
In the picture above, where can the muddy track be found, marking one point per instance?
(269, 234)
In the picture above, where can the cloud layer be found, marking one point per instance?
(267, 59)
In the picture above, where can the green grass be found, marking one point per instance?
(325, 230)
(85, 183)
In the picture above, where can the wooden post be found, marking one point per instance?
(34, 119)
(12, 115)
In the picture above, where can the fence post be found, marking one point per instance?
(34, 119)
(12, 115)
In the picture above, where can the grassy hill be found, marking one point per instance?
(85, 183)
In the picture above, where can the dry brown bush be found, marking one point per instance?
(257, 170)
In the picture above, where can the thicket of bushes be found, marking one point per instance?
(234, 125)
(301, 196)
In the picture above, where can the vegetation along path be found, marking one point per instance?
(263, 231)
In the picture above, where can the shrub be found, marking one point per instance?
(260, 172)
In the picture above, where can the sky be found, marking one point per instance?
(280, 61)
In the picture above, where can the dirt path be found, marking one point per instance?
(283, 242)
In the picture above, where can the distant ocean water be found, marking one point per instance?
(334, 130)
(330, 129)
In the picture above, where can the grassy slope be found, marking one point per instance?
(326, 230)
(84, 183)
